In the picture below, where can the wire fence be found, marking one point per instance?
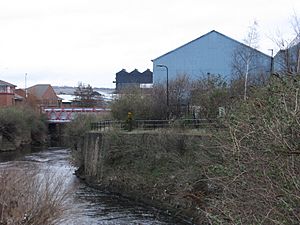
(157, 124)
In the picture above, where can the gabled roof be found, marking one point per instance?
(39, 89)
(3, 83)
(134, 76)
(207, 34)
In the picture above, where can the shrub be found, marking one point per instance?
(210, 92)
(31, 199)
(132, 100)
(78, 127)
(262, 154)
(23, 124)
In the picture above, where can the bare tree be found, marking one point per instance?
(179, 89)
(296, 24)
(287, 60)
(296, 42)
(245, 57)
(85, 95)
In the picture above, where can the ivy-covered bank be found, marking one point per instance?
(21, 126)
(162, 168)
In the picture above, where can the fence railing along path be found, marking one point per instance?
(158, 124)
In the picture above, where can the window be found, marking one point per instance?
(3, 89)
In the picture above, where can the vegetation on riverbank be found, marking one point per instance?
(247, 173)
(28, 198)
(19, 126)
(260, 172)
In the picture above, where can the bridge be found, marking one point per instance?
(66, 115)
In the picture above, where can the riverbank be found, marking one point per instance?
(19, 127)
(254, 179)
(85, 205)
(164, 168)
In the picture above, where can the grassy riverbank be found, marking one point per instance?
(20, 126)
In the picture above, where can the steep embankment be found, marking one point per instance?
(164, 168)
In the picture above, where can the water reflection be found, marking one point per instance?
(91, 206)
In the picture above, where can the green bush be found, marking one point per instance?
(22, 123)
(78, 127)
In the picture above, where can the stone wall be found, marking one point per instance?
(159, 167)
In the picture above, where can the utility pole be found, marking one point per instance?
(272, 62)
(298, 62)
(26, 95)
(167, 69)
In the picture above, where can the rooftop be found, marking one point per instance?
(3, 83)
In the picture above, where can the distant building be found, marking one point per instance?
(43, 96)
(288, 60)
(7, 94)
(67, 100)
(20, 97)
(133, 79)
(212, 53)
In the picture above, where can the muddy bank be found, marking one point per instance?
(162, 168)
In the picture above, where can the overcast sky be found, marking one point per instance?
(62, 42)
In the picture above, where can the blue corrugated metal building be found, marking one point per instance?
(287, 60)
(211, 53)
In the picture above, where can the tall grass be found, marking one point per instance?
(28, 198)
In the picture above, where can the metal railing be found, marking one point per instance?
(105, 124)
(158, 124)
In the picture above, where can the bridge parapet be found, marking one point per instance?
(65, 115)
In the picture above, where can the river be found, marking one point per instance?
(92, 206)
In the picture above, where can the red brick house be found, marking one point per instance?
(43, 96)
(7, 94)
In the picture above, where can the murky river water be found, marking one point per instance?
(92, 206)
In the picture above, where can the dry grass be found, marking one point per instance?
(30, 198)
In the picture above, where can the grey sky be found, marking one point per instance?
(62, 42)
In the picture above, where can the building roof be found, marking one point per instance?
(18, 97)
(209, 33)
(67, 98)
(134, 77)
(3, 83)
(38, 90)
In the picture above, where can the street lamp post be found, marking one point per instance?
(272, 62)
(167, 69)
